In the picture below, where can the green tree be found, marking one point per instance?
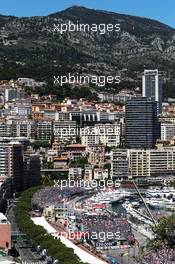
(37, 233)
(165, 231)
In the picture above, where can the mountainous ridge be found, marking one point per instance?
(30, 42)
(75, 9)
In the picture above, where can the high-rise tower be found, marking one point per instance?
(152, 87)
(142, 127)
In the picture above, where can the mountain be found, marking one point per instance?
(30, 47)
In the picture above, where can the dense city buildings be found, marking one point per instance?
(87, 134)
(70, 130)
(73, 141)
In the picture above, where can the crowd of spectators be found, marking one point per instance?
(107, 222)
(161, 256)
(53, 196)
(99, 222)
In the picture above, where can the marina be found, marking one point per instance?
(89, 218)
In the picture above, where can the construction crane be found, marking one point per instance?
(146, 206)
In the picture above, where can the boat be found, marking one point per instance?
(135, 204)
(160, 203)
(164, 192)
(109, 196)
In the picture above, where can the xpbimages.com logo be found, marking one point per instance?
(101, 29)
(100, 81)
(87, 185)
(100, 236)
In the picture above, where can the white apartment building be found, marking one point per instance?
(75, 173)
(18, 128)
(51, 154)
(167, 119)
(54, 212)
(44, 130)
(65, 131)
(100, 174)
(96, 154)
(23, 110)
(167, 131)
(5, 129)
(13, 94)
(109, 134)
(30, 82)
(63, 116)
(151, 162)
(89, 136)
(22, 128)
(143, 163)
(106, 134)
(88, 173)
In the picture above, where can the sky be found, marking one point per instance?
(156, 9)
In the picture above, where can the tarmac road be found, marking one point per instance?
(24, 249)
